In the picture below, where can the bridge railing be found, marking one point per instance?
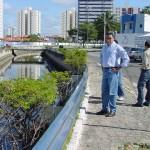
(56, 134)
(28, 47)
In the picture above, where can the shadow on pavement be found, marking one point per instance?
(117, 127)
(90, 113)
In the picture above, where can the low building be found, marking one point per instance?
(136, 23)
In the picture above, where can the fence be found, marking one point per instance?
(55, 136)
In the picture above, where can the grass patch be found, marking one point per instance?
(71, 130)
(135, 146)
(70, 133)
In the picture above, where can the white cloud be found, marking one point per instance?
(50, 26)
(9, 10)
(7, 7)
(63, 1)
(9, 15)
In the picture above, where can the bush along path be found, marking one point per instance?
(24, 102)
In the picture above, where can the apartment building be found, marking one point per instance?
(88, 10)
(28, 22)
(68, 21)
(9, 31)
(1, 18)
(119, 11)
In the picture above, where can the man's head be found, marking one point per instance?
(147, 44)
(109, 38)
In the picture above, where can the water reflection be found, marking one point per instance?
(28, 67)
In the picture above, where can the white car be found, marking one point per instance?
(131, 51)
(138, 54)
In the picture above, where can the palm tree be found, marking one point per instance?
(146, 10)
(107, 19)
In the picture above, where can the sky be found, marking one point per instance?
(51, 11)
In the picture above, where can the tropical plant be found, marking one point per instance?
(33, 38)
(77, 59)
(63, 50)
(23, 105)
(72, 33)
(146, 10)
(108, 20)
(87, 32)
(63, 81)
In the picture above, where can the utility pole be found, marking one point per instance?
(104, 27)
(87, 24)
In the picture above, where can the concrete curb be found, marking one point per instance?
(79, 123)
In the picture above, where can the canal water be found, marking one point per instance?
(28, 67)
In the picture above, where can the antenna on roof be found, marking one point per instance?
(127, 4)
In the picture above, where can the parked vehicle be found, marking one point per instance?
(132, 51)
(138, 54)
(127, 49)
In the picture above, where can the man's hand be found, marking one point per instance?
(116, 69)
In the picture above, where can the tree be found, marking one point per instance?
(87, 32)
(146, 10)
(63, 79)
(72, 33)
(111, 24)
(77, 59)
(33, 38)
(23, 105)
(62, 40)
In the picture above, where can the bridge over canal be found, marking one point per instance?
(28, 47)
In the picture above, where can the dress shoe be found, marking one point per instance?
(102, 112)
(137, 105)
(111, 114)
(146, 104)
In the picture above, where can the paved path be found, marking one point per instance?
(94, 132)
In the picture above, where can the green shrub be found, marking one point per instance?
(77, 59)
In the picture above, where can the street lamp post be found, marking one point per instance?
(87, 24)
(104, 26)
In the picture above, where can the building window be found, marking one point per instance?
(140, 25)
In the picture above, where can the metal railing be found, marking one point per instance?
(56, 134)
(28, 47)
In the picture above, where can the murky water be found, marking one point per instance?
(28, 67)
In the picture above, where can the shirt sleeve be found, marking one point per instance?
(124, 57)
(145, 61)
(101, 55)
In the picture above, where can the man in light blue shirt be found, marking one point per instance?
(110, 60)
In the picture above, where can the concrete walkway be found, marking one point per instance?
(93, 132)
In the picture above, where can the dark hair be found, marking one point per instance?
(116, 41)
(111, 33)
(147, 43)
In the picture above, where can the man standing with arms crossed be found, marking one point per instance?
(110, 57)
(144, 78)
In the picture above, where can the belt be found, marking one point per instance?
(145, 69)
(109, 67)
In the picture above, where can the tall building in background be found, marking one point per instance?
(89, 9)
(9, 31)
(1, 18)
(28, 22)
(68, 21)
(119, 11)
